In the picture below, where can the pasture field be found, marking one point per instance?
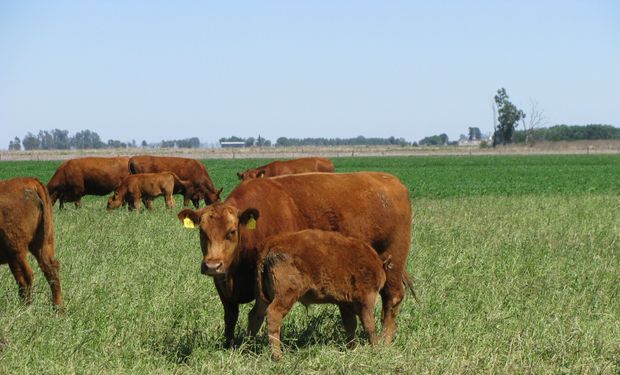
(516, 260)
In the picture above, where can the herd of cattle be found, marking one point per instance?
(290, 231)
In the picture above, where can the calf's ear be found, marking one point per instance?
(189, 218)
(249, 217)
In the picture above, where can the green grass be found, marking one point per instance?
(515, 259)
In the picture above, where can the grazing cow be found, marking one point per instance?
(371, 206)
(26, 224)
(282, 167)
(315, 266)
(144, 187)
(200, 187)
(86, 176)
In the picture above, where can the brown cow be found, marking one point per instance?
(144, 187)
(86, 176)
(315, 266)
(192, 170)
(26, 224)
(282, 167)
(373, 207)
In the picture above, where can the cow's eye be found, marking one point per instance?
(231, 235)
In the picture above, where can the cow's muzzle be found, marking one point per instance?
(212, 268)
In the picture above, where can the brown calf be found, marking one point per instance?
(295, 166)
(200, 185)
(145, 187)
(315, 266)
(26, 224)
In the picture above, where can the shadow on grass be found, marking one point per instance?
(321, 328)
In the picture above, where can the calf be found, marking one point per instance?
(144, 187)
(315, 266)
(26, 224)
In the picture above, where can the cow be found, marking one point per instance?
(86, 176)
(315, 266)
(192, 170)
(371, 206)
(26, 224)
(282, 167)
(144, 187)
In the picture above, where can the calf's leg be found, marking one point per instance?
(276, 311)
(368, 319)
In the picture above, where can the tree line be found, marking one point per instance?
(57, 139)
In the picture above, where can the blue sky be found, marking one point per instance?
(153, 70)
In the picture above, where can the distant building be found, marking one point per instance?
(232, 144)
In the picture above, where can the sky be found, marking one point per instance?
(155, 70)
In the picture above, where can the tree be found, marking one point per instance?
(536, 119)
(143, 144)
(435, 140)
(508, 116)
(474, 134)
(30, 142)
(86, 139)
(15, 144)
(250, 142)
(60, 139)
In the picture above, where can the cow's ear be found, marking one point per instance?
(240, 175)
(260, 174)
(249, 217)
(189, 218)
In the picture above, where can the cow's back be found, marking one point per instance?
(371, 206)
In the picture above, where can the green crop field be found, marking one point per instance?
(516, 261)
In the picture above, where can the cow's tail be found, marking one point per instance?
(264, 275)
(46, 214)
(132, 166)
(180, 186)
(408, 283)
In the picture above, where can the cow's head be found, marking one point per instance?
(114, 202)
(219, 226)
(212, 197)
(251, 174)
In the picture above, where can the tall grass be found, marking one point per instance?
(507, 283)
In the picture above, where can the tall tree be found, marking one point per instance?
(30, 142)
(508, 116)
(15, 144)
(474, 134)
(536, 119)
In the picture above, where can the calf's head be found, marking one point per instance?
(251, 174)
(219, 226)
(114, 202)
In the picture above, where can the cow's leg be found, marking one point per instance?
(367, 317)
(392, 295)
(169, 199)
(231, 314)
(256, 317)
(78, 203)
(49, 266)
(276, 311)
(23, 274)
(349, 320)
(148, 202)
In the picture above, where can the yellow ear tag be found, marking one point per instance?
(188, 223)
(251, 223)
